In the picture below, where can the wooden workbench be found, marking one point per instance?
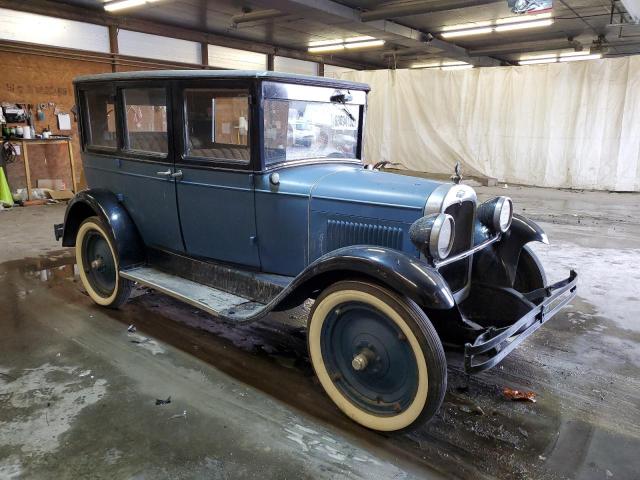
(24, 142)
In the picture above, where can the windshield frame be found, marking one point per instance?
(310, 93)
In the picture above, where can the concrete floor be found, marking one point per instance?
(78, 392)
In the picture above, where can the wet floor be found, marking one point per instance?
(78, 391)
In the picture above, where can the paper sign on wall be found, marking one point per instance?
(64, 121)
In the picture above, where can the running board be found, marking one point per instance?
(221, 304)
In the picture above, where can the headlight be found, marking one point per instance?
(496, 213)
(434, 235)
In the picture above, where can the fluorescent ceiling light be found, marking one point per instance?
(577, 58)
(320, 43)
(462, 26)
(359, 39)
(370, 43)
(464, 33)
(523, 25)
(523, 18)
(538, 61)
(539, 57)
(457, 67)
(575, 54)
(424, 65)
(122, 4)
(326, 48)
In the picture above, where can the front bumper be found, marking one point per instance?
(495, 343)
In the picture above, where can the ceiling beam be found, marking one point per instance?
(418, 8)
(100, 17)
(335, 14)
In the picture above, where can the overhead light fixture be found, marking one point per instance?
(369, 43)
(122, 4)
(463, 26)
(468, 32)
(444, 65)
(523, 18)
(362, 38)
(575, 54)
(577, 58)
(538, 61)
(499, 25)
(559, 57)
(326, 48)
(319, 43)
(522, 25)
(351, 43)
(464, 66)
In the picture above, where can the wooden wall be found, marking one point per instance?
(35, 79)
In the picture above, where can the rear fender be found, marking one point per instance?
(497, 264)
(104, 204)
(398, 271)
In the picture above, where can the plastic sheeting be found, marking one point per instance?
(574, 125)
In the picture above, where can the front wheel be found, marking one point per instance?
(377, 356)
(97, 261)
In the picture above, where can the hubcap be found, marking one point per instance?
(99, 263)
(369, 359)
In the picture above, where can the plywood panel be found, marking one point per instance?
(34, 79)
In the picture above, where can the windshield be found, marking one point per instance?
(300, 130)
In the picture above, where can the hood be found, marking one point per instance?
(373, 194)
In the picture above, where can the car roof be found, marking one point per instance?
(222, 74)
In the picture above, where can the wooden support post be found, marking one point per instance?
(270, 57)
(74, 180)
(27, 172)
(113, 46)
(204, 54)
(321, 69)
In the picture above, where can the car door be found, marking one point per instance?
(138, 166)
(216, 189)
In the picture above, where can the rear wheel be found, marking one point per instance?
(377, 356)
(98, 263)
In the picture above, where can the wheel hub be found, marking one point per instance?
(369, 359)
(361, 361)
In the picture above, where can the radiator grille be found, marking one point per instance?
(341, 233)
(457, 273)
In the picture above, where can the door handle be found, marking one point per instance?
(177, 175)
(164, 174)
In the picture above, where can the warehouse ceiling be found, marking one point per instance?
(412, 30)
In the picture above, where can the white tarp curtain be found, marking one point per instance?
(574, 125)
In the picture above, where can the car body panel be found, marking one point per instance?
(217, 215)
(149, 198)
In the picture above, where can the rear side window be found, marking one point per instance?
(101, 118)
(146, 119)
(217, 124)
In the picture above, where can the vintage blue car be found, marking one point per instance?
(198, 191)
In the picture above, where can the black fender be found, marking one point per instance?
(409, 276)
(497, 264)
(104, 204)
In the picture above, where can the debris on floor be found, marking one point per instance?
(518, 395)
(179, 415)
(132, 328)
(159, 401)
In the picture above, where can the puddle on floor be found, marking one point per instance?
(583, 367)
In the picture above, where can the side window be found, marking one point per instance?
(146, 119)
(217, 124)
(101, 118)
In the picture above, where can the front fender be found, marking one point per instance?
(405, 274)
(497, 265)
(104, 204)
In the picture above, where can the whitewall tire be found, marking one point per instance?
(377, 356)
(98, 264)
